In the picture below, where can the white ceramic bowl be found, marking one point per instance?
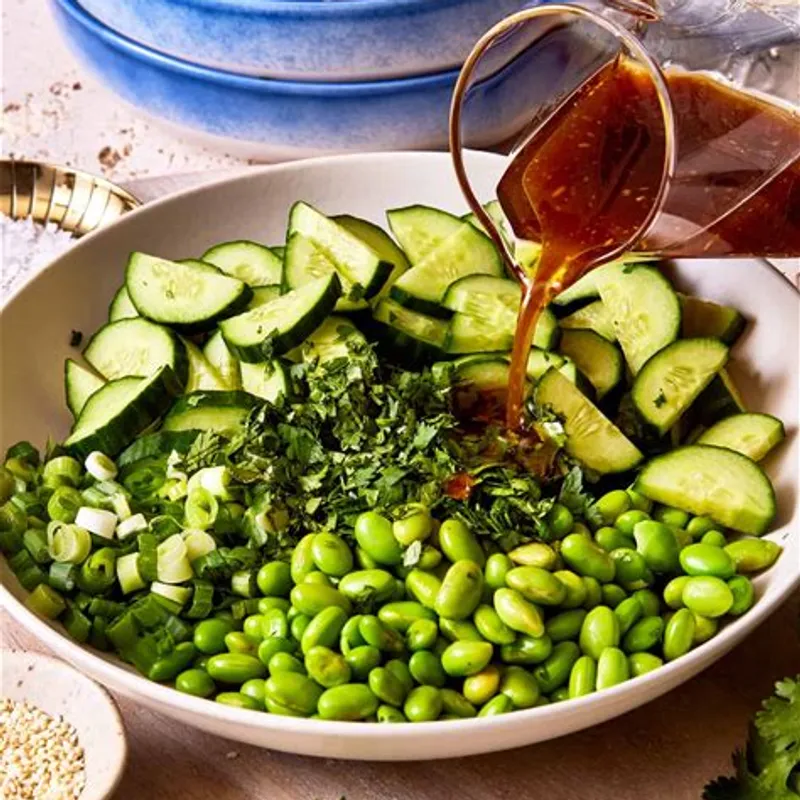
(74, 294)
(61, 691)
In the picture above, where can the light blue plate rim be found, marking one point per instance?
(316, 7)
(433, 81)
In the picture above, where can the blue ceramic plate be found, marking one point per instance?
(319, 40)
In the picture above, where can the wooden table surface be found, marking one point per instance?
(666, 750)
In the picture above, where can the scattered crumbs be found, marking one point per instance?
(109, 157)
(9, 107)
(232, 754)
(127, 150)
(77, 86)
(75, 338)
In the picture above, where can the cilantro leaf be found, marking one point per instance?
(579, 502)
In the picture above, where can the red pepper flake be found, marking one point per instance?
(459, 486)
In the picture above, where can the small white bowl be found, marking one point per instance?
(61, 691)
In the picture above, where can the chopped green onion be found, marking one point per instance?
(201, 508)
(45, 601)
(146, 651)
(29, 502)
(229, 518)
(27, 570)
(123, 631)
(10, 542)
(100, 607)
(82, 600)
(97, 520)
(131, 525)
(35, 522)
(177, 594)
(244, 608)
(76, 623)
(121, 506)
(145, 481)
(21, 469)
(149, 613)
(62, 471)
(215, 480)
(243, 583)
(64, 503)
(178, 629)
(198, 543)
(148, 556)
(128, 575)
(164, 526)
(63, 576)
(174, 488)
(24, 451)
(13, 518)
(98, 572)
(173, 562)
(8, 485)
(98, 638)
(35, 541)
(100, 466)
(69, 543)
(202, 600)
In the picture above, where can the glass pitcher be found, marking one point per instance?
(720, 82)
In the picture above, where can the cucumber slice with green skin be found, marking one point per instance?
(280, 325)
(466, 252)
(264, 294)
(331, 340)
(644, 308)
(136, 347)
(598, 359)
(473, 293)
(121, 306)
(539, 361)
(669, 382)
(189, 297)
(712, 482)
(483, 373)
(594, 317)
(156, 445)
(250, 262)
(79, 385)
(482, 334)
(221, 412)
(201, 374)
(118, 412)
(592, 438)
(383, 244)
(355, 261)
(222, 360)
(704, 319)
(269, 380)
(719, 400)
(421, 229)
(587, 288)
(411, 337)
(279, 250)
(525, 252)
(752, 435)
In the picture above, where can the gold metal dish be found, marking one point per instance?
(75, 201)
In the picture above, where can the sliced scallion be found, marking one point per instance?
(46, 602)
(173, 562)
(68, 543)
(128, 575)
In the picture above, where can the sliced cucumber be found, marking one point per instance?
(594, 317)
(264, 294)
(408, 334)
(644, 308)
(118, 412)
(279, 250)
(79, 385)
(221, 412)
(276, 327)
(190, 297)
(598, 359)
(136, 347)
(421, 229)
(539, 361)
(250, 262)
(587, 288)
(333, 339)
(156, 445)
(671, 380)
(473, 293)
(221, 359)
(356, 262)
(121, 306)
(719, 400)
(375, 237)
(752, 435)
(466, 252)
(592, 439)
(268, 380)
(201, 374)
(468, 334)
(712, 482)
(484, 373)
(704, 319)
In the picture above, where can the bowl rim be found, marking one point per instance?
(250, 83)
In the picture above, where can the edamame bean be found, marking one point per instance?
(566, 625)
(459, 630)
(458, 543)
(705, 559)
(237, 642)
(673, 592)
(298, 626)
(285, 662)
(324, 629)
(310, 598)
(429, 558)
(466, 658)
(576, 588)
(209, 635)
(628, 612)
(415, 525)
(612, 538)
(699, 526)
(273, 623)
(743, 595)
(642, 663)
(426, 669)
(612, 595)
(362, 660)
(534, 554)
(559, 520)
(235, 668)
(168, 667)
(714, 538)
(560, 694)
(594, 592)
(600, 629)
(274, 579)
(267, 603)
(516, 612)
(612, 668)
(482, 686)
(587, 559)
(196, 682)
(629, 565)
(293, 691)
(327, 667)
(423, 704)
(657, 544)
(331, 554)
(460, 592)
(707, 596)
(252, 627)
(386, 687)
(421, 635)
(679, 634)
(389, 714)
(365, 560)
(379, 635)
(318, 578)
(753, 555)
(579, 529)
(302, 562)
(254, 688)
(526, 650)
(272, 645)
(238, 700)
(520, 687)
(500, 704)
(644, 635)
(705, 628)
(625, 523)
(491, 627)
(612, 504)
(651, 606)
(582, 677)
(400, 614)
(638, 500)
(401, 671)
(455, 704)
(537, 585)
(367, 585)
(423, 587)
(496, 569)
(374, 536)
(554, 671)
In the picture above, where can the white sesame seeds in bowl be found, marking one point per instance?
(61, 736)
